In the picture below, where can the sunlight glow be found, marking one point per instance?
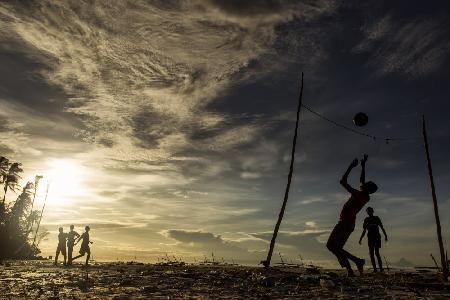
(65, 180)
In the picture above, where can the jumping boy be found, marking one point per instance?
(61, 246)
(84, 245)
(371, 224)
(346, 224)
(71, 236)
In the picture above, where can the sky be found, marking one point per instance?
(166, 125)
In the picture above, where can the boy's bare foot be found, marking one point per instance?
(360, 266)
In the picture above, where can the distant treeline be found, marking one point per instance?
(18, 219)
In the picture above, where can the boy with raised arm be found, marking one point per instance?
(346, 224)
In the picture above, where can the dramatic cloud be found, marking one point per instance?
(146, 82)
(412, 47)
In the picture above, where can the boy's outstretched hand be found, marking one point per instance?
(354, 163)
(363, 161)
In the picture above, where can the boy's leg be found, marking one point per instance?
(87, 257)
(347, 230)
(69, 254)
(372, 257)
(335, 243)
(65, 257)
(343, 261)
(380, 262)
(78, 256)
(56, 255)
(351, 257)
(359, 262)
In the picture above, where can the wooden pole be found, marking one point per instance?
(42, 212)
(446, 259)
(37, 178)
(266, 262)
(435, 205)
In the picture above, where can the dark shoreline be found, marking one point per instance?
(115, 280)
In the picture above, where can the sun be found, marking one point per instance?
(64, 180)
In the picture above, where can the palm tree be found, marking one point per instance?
(4, 167)
(11, 180)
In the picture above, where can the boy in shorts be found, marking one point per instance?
(84, 245)
(346, 224)
(371, 224)
(62, 237)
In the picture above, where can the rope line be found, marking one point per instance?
(345, 127)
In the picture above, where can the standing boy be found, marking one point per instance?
(71, 236)
(61, 246)
(371, 224)
(346, 224)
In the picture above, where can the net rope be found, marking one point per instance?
(358, 132)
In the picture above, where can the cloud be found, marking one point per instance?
(250, 175)
(205, 241)
(251, 247)
(311, 224)
(414, 47)
(306, 242)
(141, 88)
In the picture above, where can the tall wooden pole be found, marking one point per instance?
(42, 212)
(30, 224)
(435, 205)
(266, 262)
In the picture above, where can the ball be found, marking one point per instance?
(360, 119)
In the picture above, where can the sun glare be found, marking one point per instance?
(65, 181)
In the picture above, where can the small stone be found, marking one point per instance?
(326, 284)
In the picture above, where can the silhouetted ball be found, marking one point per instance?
(360, 119)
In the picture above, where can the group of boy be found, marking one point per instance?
(71, 239)
(338, 237)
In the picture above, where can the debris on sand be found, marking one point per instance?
(41, 280)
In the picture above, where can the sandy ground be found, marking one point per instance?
(41, 280)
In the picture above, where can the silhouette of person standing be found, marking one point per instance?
(62, 236)
(371, 224)
(84, 245)
(346, 224)
(71, 236)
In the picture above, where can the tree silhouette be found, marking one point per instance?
(11, 179)
(16, 216)
(17, 225)
(4, 167)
